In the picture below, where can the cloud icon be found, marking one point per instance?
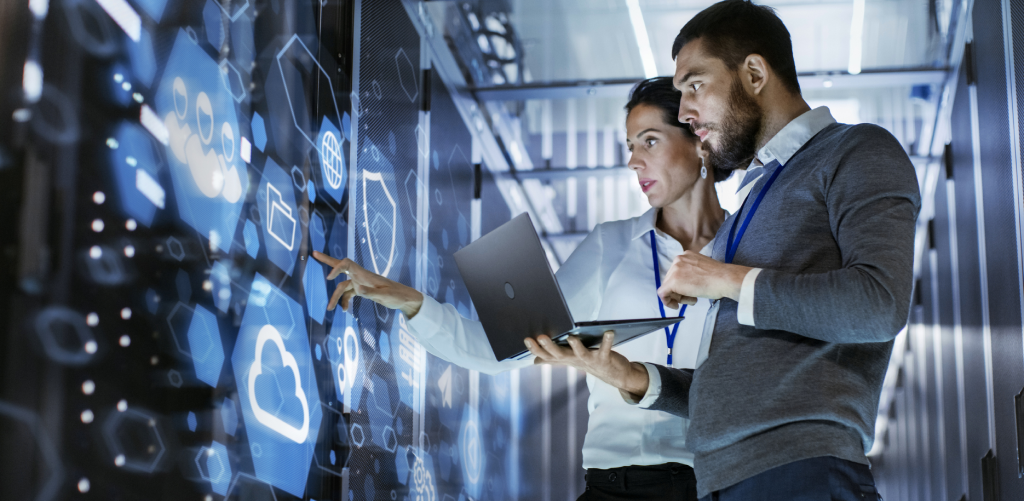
(297, 435)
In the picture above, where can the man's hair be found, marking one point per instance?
(660, 93)
(734, 29)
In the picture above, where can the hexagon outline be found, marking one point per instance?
(238, 13)
(295, 38)
(223, 77)
(114, 421)
(362, 434)
(174, 335)
(43, 328)
(181, 248)
(412, 96)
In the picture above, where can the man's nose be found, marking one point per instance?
(687, 113)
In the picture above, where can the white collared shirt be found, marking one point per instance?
(610, 276)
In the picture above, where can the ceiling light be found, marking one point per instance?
(856, 37)
(642, 40)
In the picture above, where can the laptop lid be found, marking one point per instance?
(513, 288)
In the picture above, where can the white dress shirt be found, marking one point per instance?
(610, 276)
(786, 143)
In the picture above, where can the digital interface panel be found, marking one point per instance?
(174, 338)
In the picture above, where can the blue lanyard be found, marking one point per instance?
(730, 249)
(670, 335)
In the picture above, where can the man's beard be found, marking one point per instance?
(738, 131)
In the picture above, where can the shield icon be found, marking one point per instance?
(380, 225)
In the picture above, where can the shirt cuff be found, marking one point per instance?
(653, 389)
(427, 321)
(745, 313)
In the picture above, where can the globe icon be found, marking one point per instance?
(331, 160)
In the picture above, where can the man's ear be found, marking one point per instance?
(755, 73)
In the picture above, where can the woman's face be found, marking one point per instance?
(662, 155)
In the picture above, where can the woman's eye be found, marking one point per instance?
(650, 142)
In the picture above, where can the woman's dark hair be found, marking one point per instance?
(660, 93)
(735, 29)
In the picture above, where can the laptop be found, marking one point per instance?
(516, 295)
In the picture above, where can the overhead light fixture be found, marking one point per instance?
(856, 37)
(642, 40)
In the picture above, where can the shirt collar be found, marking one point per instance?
(795, 135)
(645, 223)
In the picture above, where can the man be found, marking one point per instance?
(813, 277)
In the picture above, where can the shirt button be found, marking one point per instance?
(612, 476)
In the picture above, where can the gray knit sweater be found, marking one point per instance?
(835, 238)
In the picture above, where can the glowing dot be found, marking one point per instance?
(83, 485)
(119, 460)
(137, 97)
(154, 360)
(118, 77)
(92, 319)
(88, 387)
(126, 86)
(131, 161)
(224, 294)
(207, 285)
(125, 341)
(122, 405)
(97, 225)
(129, 251)
(99, 197)
(126, 313)
(91, 347)
(130, 225)
(87, 416)
(95, 252)
(112, 143)
(209, 497)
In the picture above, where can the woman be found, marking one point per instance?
(611, 275)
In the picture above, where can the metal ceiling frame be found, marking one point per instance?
(619, 88)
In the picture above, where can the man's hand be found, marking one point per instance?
(603, 363)
(695, 275)
(372, 286)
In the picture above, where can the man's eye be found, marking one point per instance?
(696, 86)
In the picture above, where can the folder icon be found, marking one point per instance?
(280, 222)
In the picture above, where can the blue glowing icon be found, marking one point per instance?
(277, 387)
(384, 238)
(332, 160)
(344, 352)
(136, 164)
(251, 238)
(316, 291)
(203, 142)
(205, 345)
(473, 456)
(276, 201)
(259, 131)
(155, 8)
(317, 233)
(215, 466)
